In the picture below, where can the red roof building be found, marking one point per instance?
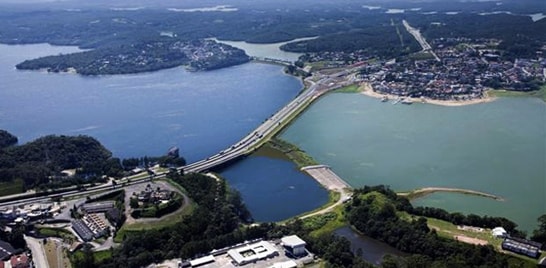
(20, 261)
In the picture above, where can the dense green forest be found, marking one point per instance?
(39, 163)
(519, 36)
(134, 35)
(141, 57)
(375, 211)
(220, 216)
(14, 237)
(111, 60)
(384, 40)
(539, 235)
(219, 220)
(35, 162)
(7, 139)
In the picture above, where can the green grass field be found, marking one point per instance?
(12, 187)
(291, 151)
(99, 256)
(163, 222)
(349, 89)
(541, 93)
(102, 255)
(57, 232)
(449, 230)
(333, 221)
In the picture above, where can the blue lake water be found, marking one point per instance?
(141, 114)
(145, 114)
(274, 184)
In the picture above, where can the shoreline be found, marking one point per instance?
(367, 89)
(422, 192)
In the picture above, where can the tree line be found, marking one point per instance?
(374, 212)
(39, 163)
(339, 29)
(220, 219)
(35, 162)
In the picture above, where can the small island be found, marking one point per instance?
(196, 55)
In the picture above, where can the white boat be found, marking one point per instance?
(406, 101)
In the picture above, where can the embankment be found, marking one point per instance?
(429, 190)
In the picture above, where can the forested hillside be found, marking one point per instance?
(349, 27)
(36, 161)
(377, 212)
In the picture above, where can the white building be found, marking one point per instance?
(294, 245)
(202, 261)
(499, 232)
(253, 253)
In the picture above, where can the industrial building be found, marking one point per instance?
(6, 250)
(257, 253)
(98, 207)
(253, 252)
(522, 246)
(82, 230)
(201, 261)
(294, 246)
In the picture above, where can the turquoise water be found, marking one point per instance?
(145, 114)
(497, 147)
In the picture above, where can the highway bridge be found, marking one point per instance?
(243, 147)
(270, 60)
(267, 129)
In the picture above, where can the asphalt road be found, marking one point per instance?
(38, 253)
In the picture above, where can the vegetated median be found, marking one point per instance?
(418, 193)
(291, 151)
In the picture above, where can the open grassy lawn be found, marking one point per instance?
(165, 221)
(57, 232)
(332, 221)
(541, 93)
(449, 230)
(98, 255)
(102, 255)
(349, 89)
(12, 187)
(51, 253)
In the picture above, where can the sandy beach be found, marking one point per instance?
(367, 89)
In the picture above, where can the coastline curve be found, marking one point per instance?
(422, 192)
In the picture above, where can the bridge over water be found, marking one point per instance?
(245, 146)
(273, 124)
